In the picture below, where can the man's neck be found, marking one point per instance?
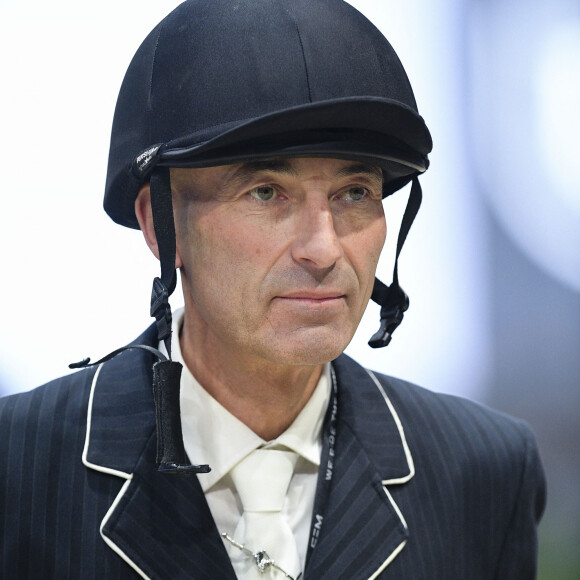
(264, 396)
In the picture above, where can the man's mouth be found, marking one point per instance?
(313, 295)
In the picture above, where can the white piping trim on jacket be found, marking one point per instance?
(408, 455)
(127, 476)
(110, 542)
(396, 507)
(398, 549)
(86, 462)
(399, 480)
(393, 555)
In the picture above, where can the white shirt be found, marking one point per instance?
(212, 435)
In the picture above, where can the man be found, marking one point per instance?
(253, 142)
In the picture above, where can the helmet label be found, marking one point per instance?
(145, 161)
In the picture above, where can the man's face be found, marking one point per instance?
(278, 257)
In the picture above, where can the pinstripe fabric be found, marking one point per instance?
(48, 501)
(478, 491)
(471, 505)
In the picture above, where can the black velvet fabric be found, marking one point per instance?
(219, 73)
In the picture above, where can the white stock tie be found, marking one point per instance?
(267, 547)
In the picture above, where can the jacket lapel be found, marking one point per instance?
(363, 529)
(159, 524)
(164, 527)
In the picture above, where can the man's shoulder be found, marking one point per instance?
(450, 438)
(453, 437)
(448, 411)
(430, 417)
(63, 401)
(55, 398)
(42, 429)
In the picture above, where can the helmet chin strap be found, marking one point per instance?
(171, 455)
(392, 299)
(162, 210)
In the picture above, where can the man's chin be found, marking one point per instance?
(315, 347)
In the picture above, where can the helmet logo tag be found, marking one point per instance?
(145, 161)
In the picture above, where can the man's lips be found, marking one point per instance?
(312, 296)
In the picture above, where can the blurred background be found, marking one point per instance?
(492, 264)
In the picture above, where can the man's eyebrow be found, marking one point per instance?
(251, 168)
(361, 168)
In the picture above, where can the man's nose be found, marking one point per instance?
(316, 242)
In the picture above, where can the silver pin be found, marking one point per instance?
(262, 559)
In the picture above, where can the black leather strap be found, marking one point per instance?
(392, 299)
(162, 209)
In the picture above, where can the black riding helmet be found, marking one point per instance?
(227, 81)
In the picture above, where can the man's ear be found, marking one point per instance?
(145, 218)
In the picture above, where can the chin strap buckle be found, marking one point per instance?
(161, 311)
(392, 300)
(392, 312)
(171, 455)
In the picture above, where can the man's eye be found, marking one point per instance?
(263, 192)
(357, 193)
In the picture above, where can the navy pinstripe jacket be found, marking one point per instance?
(426, 486)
